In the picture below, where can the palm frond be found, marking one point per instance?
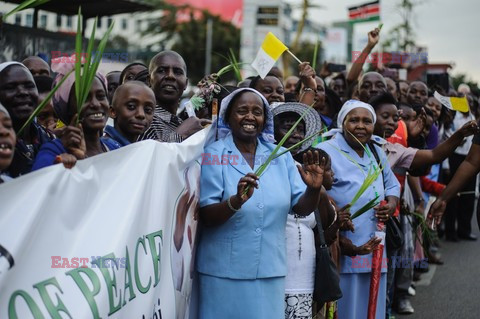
(42, 105)
(23, 6)
(85, 74)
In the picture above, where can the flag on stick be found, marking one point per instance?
(271, 49)
(453, 103)
(365, 12)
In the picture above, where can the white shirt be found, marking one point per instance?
(458, 122)
(300, 268)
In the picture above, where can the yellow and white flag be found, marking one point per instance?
(271, 49)
(453, 103)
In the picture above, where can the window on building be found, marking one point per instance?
(43, 20)
(29, 22)
(99, 23)
(69, 22)
(124, 24)
(139, 25)
(110, 21)
(18, 19)
(59, 20)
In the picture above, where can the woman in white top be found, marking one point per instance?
(300, 245)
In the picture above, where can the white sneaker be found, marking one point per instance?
(404, 307)
(411, 291)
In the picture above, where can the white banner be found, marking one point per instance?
(111, 238)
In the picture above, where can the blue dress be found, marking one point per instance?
(242, 263)
(356, 272)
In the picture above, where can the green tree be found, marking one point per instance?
(188, 38)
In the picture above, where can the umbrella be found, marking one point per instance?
(376, 269)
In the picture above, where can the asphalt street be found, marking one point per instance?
(451, 290)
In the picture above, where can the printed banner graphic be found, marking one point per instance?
(114, 237)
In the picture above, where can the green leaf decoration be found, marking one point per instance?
(84, 74)
(23, 6)
(42, 105)
(365, 208)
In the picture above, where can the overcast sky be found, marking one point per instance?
(448, 28)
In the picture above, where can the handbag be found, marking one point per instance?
(327, 279)
(393, 234)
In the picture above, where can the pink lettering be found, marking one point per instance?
(234, 159)
(75, 262)
(215, 160)
(225, 159)
(65, 263)
(55, 260)
(83, 261)
(356, 262)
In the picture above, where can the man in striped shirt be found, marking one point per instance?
(168, 79)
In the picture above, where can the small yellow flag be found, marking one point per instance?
(453, 103)
(271, 49)
(273, 46)
(460, 104)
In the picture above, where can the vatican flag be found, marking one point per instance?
(271, 49)
(453, 103)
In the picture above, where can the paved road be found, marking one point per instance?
(451, 290)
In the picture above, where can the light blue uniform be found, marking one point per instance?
(355, 279)
(242, 263)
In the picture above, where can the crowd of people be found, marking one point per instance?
(260, 233)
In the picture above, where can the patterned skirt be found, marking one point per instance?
(298, 306)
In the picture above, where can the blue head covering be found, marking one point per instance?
(222, 129)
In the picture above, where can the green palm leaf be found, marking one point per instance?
(24, 5)
(40, 107)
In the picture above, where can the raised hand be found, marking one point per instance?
(312, 169)
(416, 126)
(307, 75)
(469, 128)
(373, 37)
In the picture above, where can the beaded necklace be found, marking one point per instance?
(297, 217)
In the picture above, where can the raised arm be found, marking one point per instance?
(469, 168)
(309, 85)
(312, 175)
(357, 66)
(438, 154)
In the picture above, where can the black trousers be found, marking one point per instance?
(460, 208)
